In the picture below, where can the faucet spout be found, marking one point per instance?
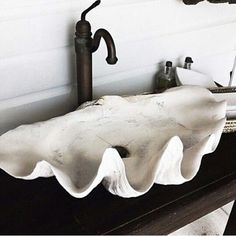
(111, 49)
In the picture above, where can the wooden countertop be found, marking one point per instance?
(42, 206)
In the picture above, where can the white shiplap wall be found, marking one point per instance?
(37, 70)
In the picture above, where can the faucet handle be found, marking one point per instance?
(84, 13)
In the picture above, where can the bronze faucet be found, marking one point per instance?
(85, 45)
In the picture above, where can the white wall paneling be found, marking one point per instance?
(37, 61)
(53, 68)
(146, 19)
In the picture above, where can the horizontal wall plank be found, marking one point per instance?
(15, 10)
(159, 18)
(40, 71)
(140, 78)
(132, 82)
(15, 4)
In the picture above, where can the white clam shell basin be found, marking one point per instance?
(165, 136)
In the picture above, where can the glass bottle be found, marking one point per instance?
(165, 80)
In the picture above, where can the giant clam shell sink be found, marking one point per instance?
(127, 143)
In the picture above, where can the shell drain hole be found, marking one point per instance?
(124, 153)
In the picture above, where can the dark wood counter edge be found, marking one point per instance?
(183, 211)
